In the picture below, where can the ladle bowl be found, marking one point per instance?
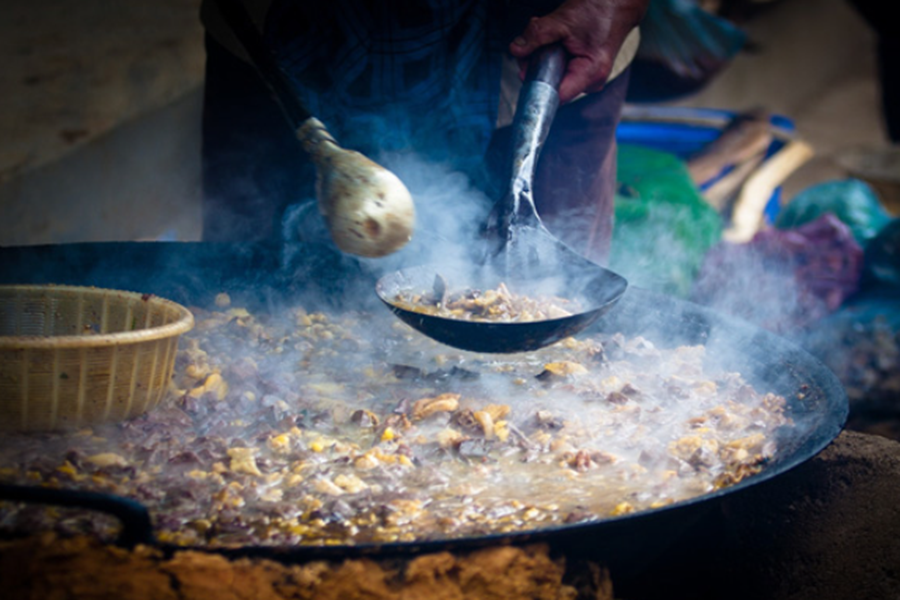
(594, 290)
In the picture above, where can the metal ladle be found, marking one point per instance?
(368, 210)
(521, 251)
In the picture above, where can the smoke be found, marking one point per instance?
(745, 282)
(450, 213)
(784, 280)
(305, 367)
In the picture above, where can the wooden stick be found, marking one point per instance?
(755, 193)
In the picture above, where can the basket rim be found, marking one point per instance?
(183, 324)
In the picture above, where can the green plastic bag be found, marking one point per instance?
(850, 200)
(663, 226)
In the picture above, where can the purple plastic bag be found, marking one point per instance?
(783, 280)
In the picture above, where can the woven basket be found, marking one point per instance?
(74, 356)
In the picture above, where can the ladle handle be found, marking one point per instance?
(538, 101)
(241, 24)
(548, 65)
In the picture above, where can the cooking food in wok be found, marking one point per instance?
(295, 427)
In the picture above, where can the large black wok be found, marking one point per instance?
(193, 273)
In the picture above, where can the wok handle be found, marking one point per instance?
(241, 24)
(136, 525)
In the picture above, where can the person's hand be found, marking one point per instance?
(592, 31)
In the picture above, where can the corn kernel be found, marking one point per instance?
(68, 469)
(107, 459)
(280, 443)
(622, 508)
(293, 480)
(243, 460)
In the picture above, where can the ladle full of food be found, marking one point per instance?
(368, 210)
(528, 289)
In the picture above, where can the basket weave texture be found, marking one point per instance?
(74, 356)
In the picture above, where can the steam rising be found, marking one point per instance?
(315, 365)
(450, 213)
(755, 287)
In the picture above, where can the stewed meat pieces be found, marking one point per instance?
(301, 427)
